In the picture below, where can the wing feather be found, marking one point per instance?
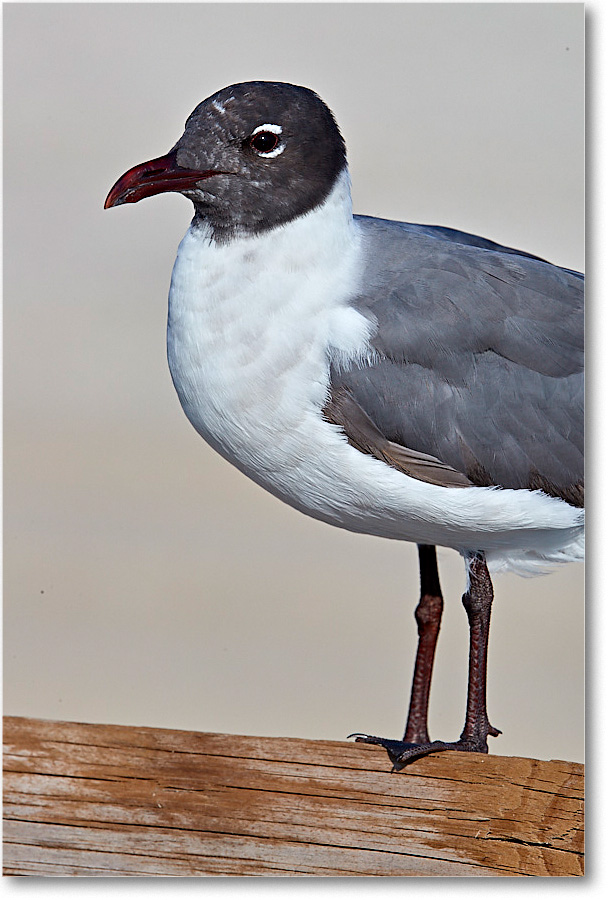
(479, 361)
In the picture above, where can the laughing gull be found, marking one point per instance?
(408, 381)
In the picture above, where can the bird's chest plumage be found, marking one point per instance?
(253, 327)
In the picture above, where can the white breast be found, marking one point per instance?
(253, 327)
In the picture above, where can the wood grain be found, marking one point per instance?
(84, 799)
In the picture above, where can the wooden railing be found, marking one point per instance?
(114, 800)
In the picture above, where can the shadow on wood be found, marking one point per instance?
(115, 800)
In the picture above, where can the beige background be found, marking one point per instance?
(146, 581)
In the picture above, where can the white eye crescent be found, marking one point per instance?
(265, 140)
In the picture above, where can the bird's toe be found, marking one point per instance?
(403, 752)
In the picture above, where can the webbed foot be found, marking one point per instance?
(402, 752)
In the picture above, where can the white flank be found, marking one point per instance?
(253, 327)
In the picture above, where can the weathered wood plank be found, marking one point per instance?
(113, 800)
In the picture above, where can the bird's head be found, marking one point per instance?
(252, 156)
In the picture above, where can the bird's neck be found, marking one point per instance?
(221, 232)
(312, 258)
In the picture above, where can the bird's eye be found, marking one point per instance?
(266, 140)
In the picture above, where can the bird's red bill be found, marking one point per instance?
(154, 177)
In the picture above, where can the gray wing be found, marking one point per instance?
(480, 357)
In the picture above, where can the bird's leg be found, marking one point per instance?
(428, 618)
(477, 601)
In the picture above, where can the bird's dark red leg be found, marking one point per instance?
(477, 602)
(428, 618)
